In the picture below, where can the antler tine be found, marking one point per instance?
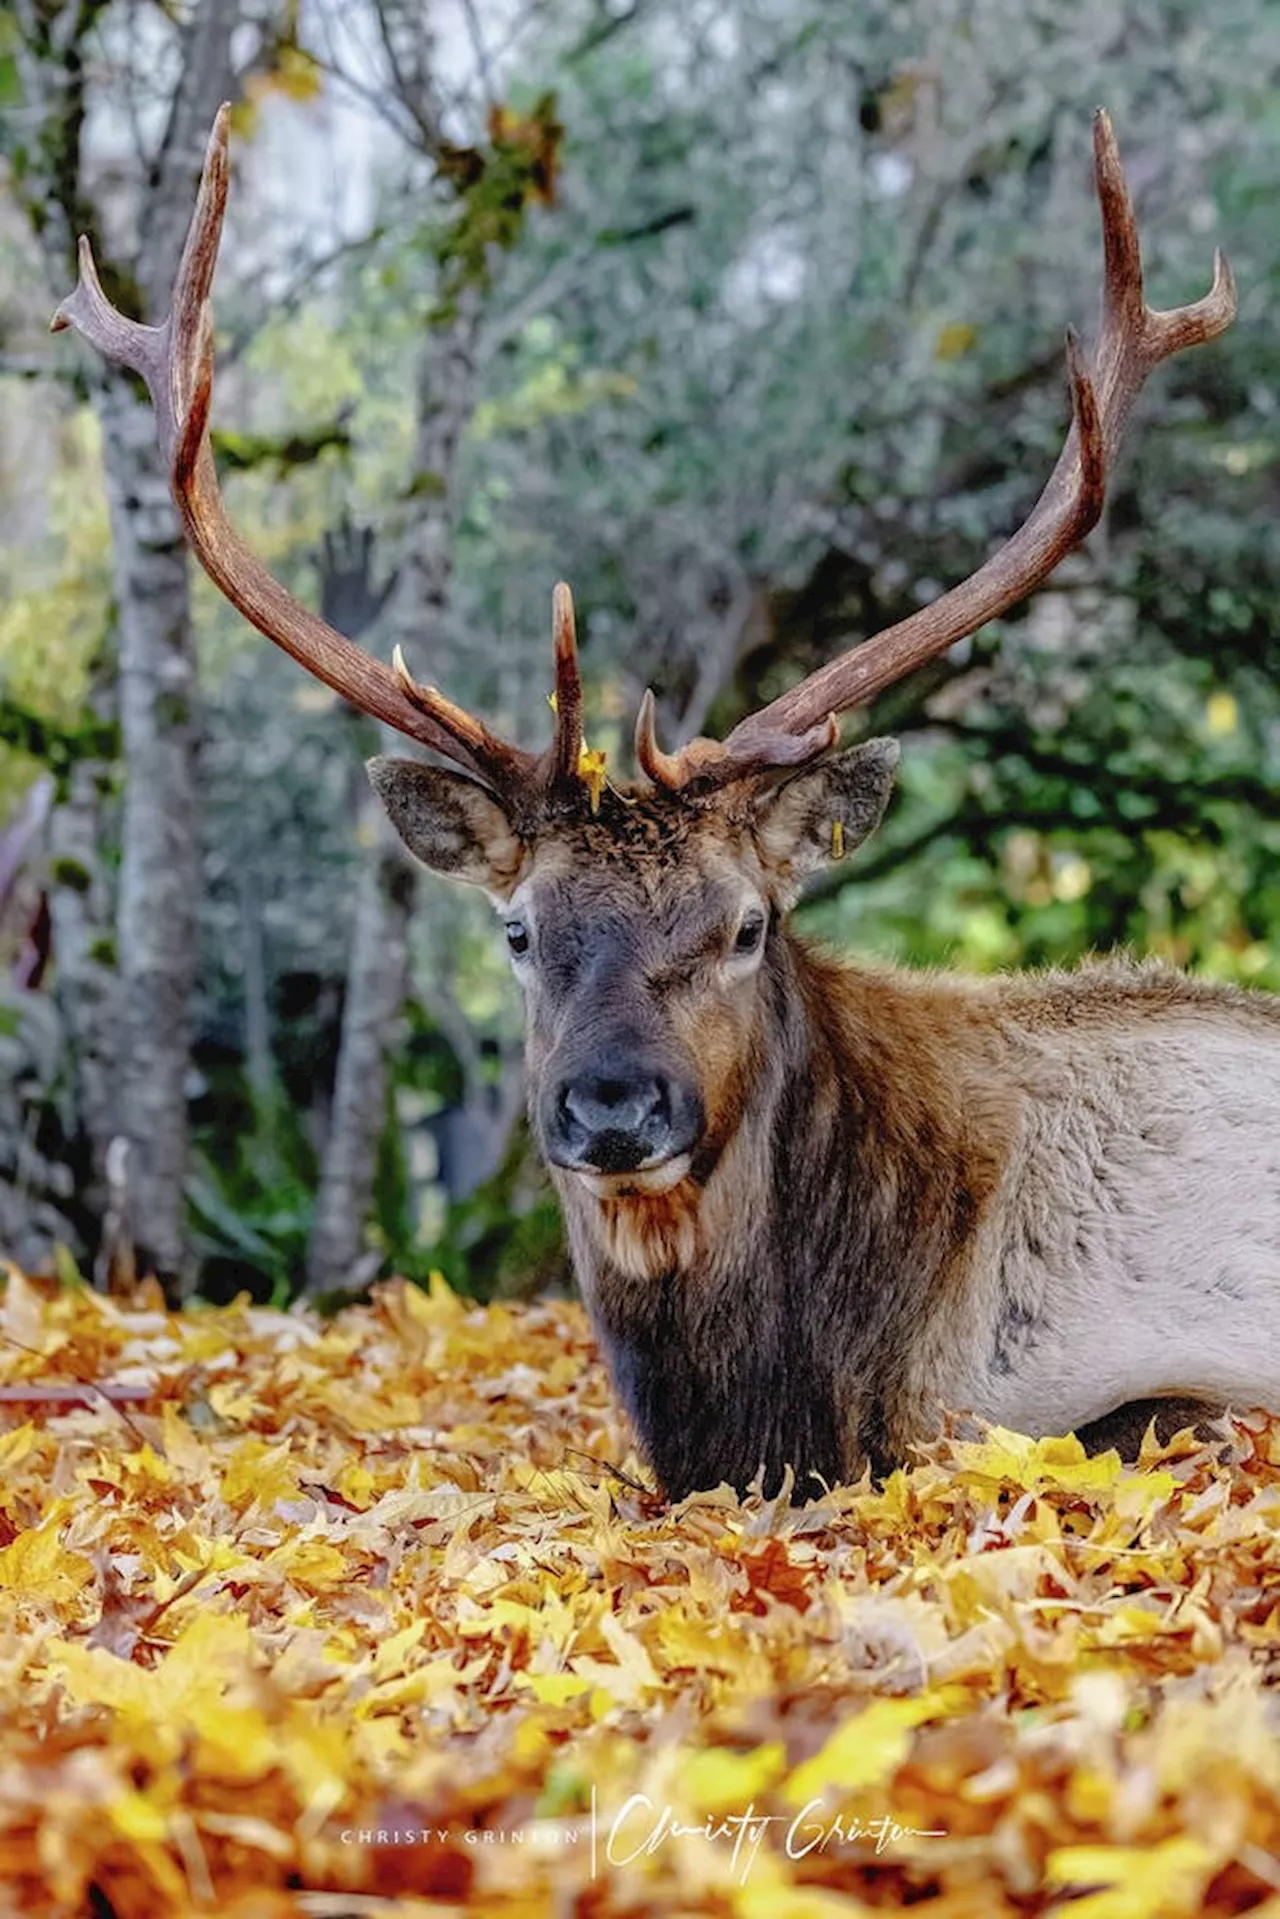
(175, 359)
(703, 766)
(560, 763)
(506, 769)
(1133, 339)
(662, 769)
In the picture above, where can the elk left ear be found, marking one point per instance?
(450, 823)
(826, 811)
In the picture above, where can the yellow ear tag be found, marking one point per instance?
(837, 840)
(591, 766)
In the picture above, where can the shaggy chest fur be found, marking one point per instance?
(1036, 1200)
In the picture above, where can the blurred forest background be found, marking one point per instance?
(745, 317)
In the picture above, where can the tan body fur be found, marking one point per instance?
(1120, 1131)
(1038, 1198)
(1096, 1156)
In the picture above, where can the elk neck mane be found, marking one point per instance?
(836, 1237)
(723, 1299)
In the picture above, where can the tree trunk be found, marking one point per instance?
(160, 855)
(81, 908)
(377, 977)
(160, 869)
(376, 984)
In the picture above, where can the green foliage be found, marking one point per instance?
(777, 359)
(54, 616)
(279, 452)
(35, 740)
(39, 1223)
(494, 186)
(505, 1241)
(847, 386)
(251, 1190)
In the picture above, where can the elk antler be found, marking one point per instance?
(1133, 339)
(176, 361)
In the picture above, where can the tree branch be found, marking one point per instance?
(206, 79)
(50, 57)
(483, 68)
(414, 87)
(293, 295)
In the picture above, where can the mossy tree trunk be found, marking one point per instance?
(160, 865)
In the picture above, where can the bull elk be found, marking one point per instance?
(812, 1205)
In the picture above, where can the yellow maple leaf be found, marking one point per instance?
(767, 1891)
(262, 1472)
(355, 1483)
(22, 1311)
(716, 1779)
(231, 1402)
(16, 1446)
(1138, 1493)
(182, 1449)
(1141, 1882)
(311, 1563)
(136, 1817)
(592, 764)
(438, 1305)
(868, 1748)
(555, 1688)
(629, 1681)
(1013, 1457)
(591, 771)
(391, 1656)
(315, 1753)
(36, 1565)
(1127, 1625)
(147, 1464)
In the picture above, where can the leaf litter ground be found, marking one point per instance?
(378, 1616)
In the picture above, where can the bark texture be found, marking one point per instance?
(160, 849)
(81, 906)
(377, 980)
(145, 1117)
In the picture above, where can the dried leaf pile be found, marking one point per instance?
(376, 1615)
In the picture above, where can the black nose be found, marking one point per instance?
(618, 1123)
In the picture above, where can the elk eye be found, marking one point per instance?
(750, 934)
(517, 938)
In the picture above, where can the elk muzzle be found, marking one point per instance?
(619, 1118)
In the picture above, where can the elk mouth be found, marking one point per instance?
(644, 1182)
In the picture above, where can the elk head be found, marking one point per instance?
(640, 922)
(642, 927)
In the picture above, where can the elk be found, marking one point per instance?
(811, 1206)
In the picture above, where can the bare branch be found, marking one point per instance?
(1133, 340)
(206, 78)
(483, 68)
(406, 46)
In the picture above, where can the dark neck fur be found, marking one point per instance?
(780, 1345)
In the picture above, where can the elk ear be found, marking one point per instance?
(827, 810)
(450, 823)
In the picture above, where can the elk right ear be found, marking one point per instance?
(824, 811)
(450, 823)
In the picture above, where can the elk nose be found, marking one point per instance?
(614, 1124)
